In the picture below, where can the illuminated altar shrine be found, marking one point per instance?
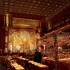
(22, 40)
(21, 34)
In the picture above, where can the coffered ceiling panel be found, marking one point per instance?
(47, 8)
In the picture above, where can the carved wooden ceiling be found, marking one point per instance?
(48, 8)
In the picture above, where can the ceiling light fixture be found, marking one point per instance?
(6, 3)
(45, 15)
(62, 17)
(58, 19)
(34, 1)
(48, 4)
(10, 10)
(21, 5)
(38, 14)
(31, 6)
(60, 6)
(31, 13)
(5, 10)
(39, 2)
(11, 3)
(51, 10)
(27, 12)
(43, 8)
(56, 5)
(35, 7)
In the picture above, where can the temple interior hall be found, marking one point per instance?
(34, 34)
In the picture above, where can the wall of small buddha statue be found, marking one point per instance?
(58, 38)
